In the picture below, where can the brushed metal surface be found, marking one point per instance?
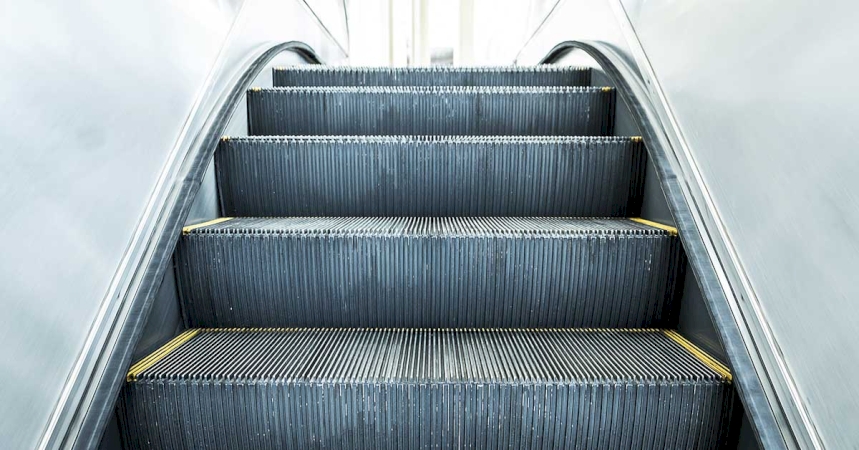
(769, 161)
(438, 388)
(431, 110)
(429, 176)
(528, 272)
(541, 75)
(101, 101)
(767, 425)
(776, 150)
(331, 14)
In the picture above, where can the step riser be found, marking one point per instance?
(406, 111)
(431, 77)
(422, 281)
(369, 415)
(353, 177)
(447, 388)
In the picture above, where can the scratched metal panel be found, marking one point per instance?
(395, 388)
(546, 75)
(431, 176)
(429, 272)
(572, 111)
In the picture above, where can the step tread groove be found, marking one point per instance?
(431, 110)
(429, 272)
(543, 355)
(430, 176)
(320, 75)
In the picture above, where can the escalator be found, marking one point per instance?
(443, 257)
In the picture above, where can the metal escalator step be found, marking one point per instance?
(320, 75)
(430, 176)
(429, 272)
(402, 388)
(571, 111)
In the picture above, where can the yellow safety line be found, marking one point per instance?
(700, 354)
(577, 330)
(191, 228)
(253, 330)
(671, 230)
(159, 354)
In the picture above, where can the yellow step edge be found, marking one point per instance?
(190, 228)
(708, 360)
(159, 354)
(149, 361)
(671, 230)
(481, 330)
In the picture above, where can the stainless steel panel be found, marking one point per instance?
(776, 150)
(332, 15)
(500, 388)
(100, 102)
(431, 110)
(769, 159)
(694, 321)
(388, 272)
(206, 204)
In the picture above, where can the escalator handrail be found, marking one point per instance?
(88, 418)
(630, 86)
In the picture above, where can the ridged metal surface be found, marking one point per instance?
(574, 111)
(429, 272)
(325, 388)
(319, 75)
(431, 176)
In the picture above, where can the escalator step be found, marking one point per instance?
(401, 388)
(431, 176)
(429, 272)
(320, 75)
(571, 111)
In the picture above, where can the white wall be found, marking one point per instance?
(480, 32)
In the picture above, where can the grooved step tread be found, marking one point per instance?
(402, 388)
(430, 176)
(643, 355)
(432, 226)
(319, 75)
(423, 110)
(429, 272)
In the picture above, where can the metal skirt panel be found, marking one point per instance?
(496, 111)
(320, 75)
(429, 272)
(426, 176)
(357, 389)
